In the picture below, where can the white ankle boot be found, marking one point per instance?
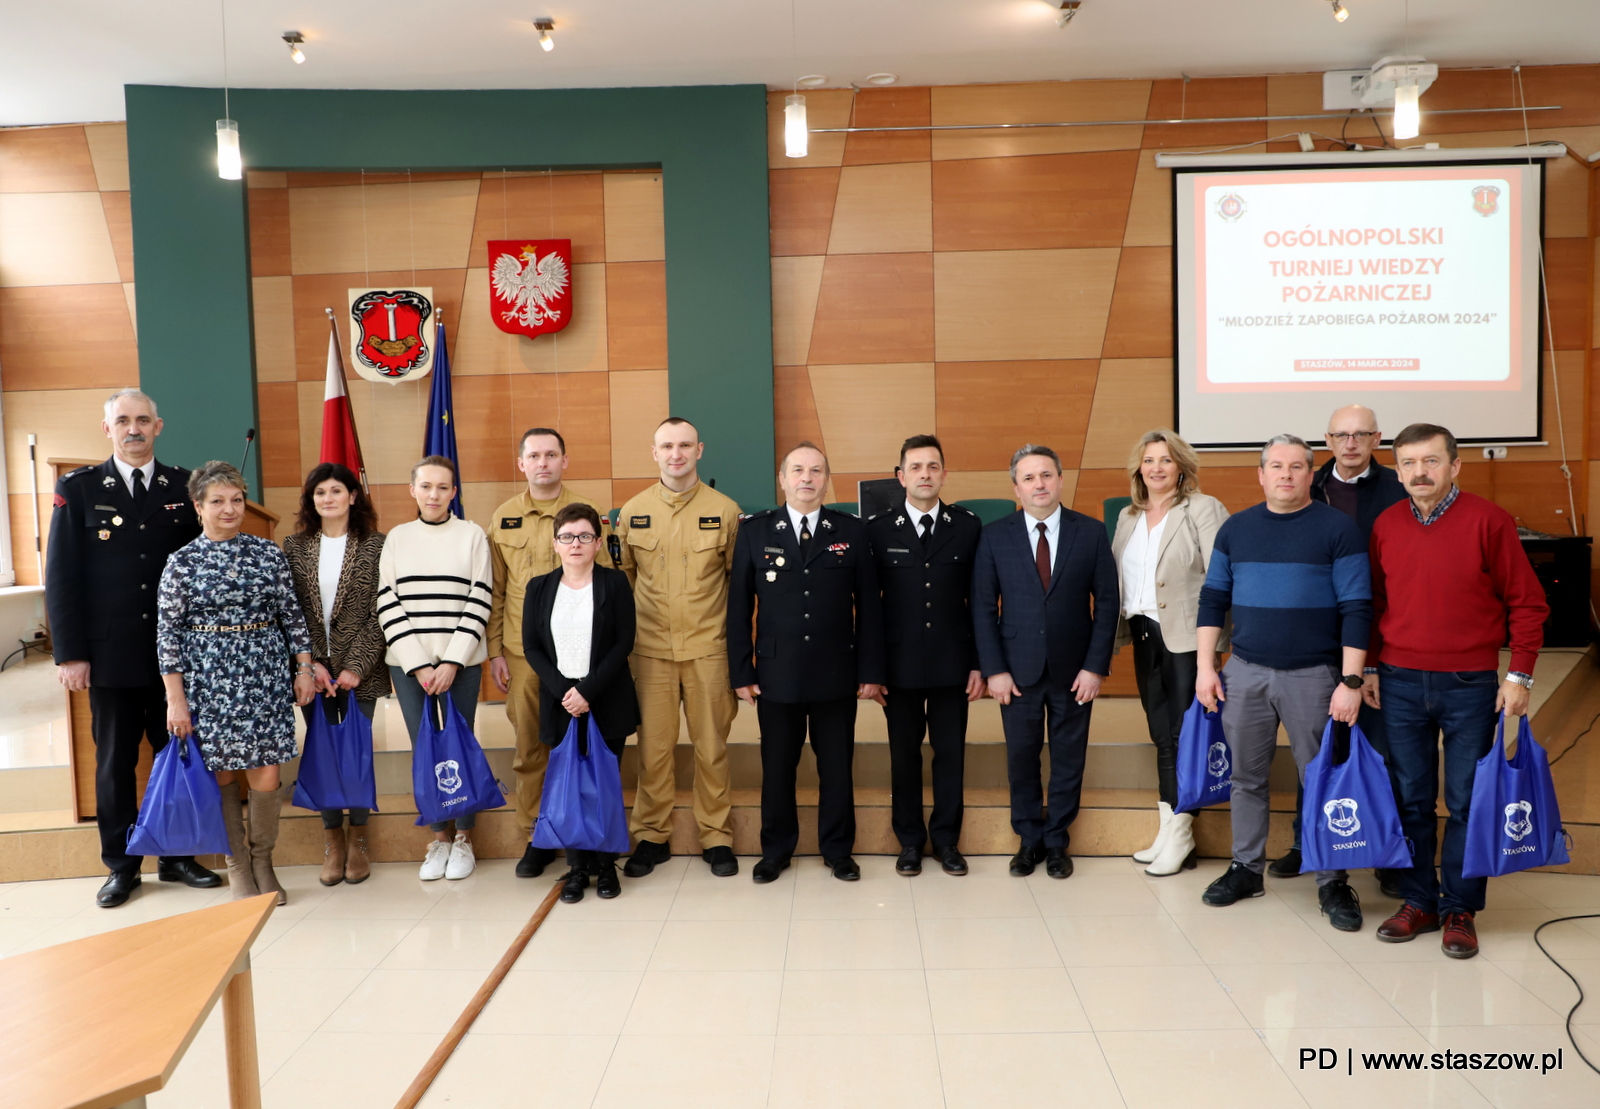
(1178, 852)
(1149, 853)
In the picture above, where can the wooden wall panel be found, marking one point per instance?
(1206, 98)
(638, 405)
(56, 238)
(1566, 267)
(891, 107)
(1054, 200)
(1141, 307)
(269, 232)
(796, 283)
(887, 208)
(108, 151)
(1150, 206)
(46, 159)
(577, 405)
(801, 203)
(874, 308)
(1037, 102)
(424, 225)
(481, 347)
(118, 215)
(636, 315)
(67, 337)
(67, 422)
(969, 485)
(390, 421)
(541, 206)
(278, 412)
(315, 292)
(794, 416)
(1131, 396)
(866, 412)
(1021, 304)
(485, 428)
(986, 410)
(272, 301)
(634, 228)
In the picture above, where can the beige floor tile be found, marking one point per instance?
(823, 1002)
(390, 897)
(973, 896)
(299, 1000)
(856, 1072)
(963, 943)
(666, 1072)
(853, 945)
(305, 892)
(453, 945)
(15, 933)
(602, 944)
(1570, 893)
(1365, 947)
(721, 945)
(735, 900)
(1105, 941)
(1572, 1086)
(1448, 993)
(1180, 894)
(1229, 937)
(352, 1070)
(1555, 989)
(1348, 1082)
(512, 899)
(334, 944)
(1032, 999)
(826, 898)
(1038, 1069)
(1224, 1069)
(201, 1078)
(406, 1001)
(713, 1003)
(647, 898)
(1275, 995)
(1125, 999)
(591, 1002)
(525, 1071)
(1506, 935)
(1094, 895)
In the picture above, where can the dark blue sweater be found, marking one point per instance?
(1298, 584)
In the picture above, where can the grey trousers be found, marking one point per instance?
(1258, 699)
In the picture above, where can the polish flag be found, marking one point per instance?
(339, 442)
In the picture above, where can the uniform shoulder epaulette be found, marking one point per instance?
(69, 475)
(873, 517)
(743, 516)
(962, 508)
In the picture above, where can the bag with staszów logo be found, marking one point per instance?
(336, 762)
(1514, 822)
(182, 809)
(1205, 766)
(449, 775)
(1350, 820)
(582, 809)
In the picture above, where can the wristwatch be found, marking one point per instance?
(1353, 681)
(1524, 680)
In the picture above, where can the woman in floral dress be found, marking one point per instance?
(228, 621)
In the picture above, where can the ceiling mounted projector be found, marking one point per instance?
(1354, 89)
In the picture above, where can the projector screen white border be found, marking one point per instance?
(1189, 167)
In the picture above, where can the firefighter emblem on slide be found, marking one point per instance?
(1486, 200)
(530, 285)
(1230, 207)
(389, 333)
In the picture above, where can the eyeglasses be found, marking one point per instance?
(1351, 436)
(582, 540)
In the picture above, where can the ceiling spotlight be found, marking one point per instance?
(545, 25)
(812, 81)
(294, 39)
(882, 79)
(1340, 12)
(1065, 10)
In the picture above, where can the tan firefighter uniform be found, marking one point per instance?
(522, 547)
(677, 549)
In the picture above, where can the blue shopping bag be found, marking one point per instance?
(581, 807)
(182, 810)
(1514, 822)
(1205, 767)
(449, 775)
(1350, 820)
(336, 765)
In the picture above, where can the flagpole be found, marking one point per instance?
(344, 380)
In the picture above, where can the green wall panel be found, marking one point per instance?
(191, 240)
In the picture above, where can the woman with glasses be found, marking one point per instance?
(577, 633)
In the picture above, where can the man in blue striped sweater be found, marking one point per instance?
(1294, 573)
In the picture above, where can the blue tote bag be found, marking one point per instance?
(1514, 822)
(182, 810)
(449, 775)
(1350, 820)
(581, 807)
(1205, 766)
(336, 765)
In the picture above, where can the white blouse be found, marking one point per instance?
(572, 627)
(330, 562)
(1139, 569)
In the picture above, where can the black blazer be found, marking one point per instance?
(1071, 628)
(608, 687)
(926, 594)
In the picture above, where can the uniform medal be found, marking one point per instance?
(105, 533)
(772, 575)
(116, 521)
(779, 560)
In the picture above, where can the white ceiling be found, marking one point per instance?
(67, 60)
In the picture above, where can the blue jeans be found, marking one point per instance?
(1417, 706)
(463, 691)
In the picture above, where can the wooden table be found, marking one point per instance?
(100, 1022)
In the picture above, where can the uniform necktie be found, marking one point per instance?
(1041, 556)
(139, 490)
(805, 534)
(925, 529)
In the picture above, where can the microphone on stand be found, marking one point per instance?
(249, 437)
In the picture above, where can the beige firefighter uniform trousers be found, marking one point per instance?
(527, 768)
(701, 686)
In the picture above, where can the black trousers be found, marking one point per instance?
(1045, 708)
(119, 719)
(833, 741)
(1166, 689)
(941, 712)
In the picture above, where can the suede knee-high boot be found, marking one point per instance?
(264, 809)
(241, 882)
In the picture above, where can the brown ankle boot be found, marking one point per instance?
(265, 808)
(333, 856)
(356, 864)
(241, 882)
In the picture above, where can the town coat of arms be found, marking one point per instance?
(389, 335)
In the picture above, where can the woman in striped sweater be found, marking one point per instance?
(434, 590)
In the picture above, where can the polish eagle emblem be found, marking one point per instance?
(530, 285)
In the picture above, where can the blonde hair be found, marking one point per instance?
(1182, 453)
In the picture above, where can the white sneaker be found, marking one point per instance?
(462, 860)
(434, 863)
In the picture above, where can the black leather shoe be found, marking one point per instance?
(1023, 862)
(607, 884)
(534, 860)
(187, 871)
(910, 862)
(1286, 867)
(574, 885)
(1236, 883)
(845, 869)
(1342, 906)
(117, 889)
(951, 860)
(767, 870)
(645, 857)
(1389, 884)
(1057, 863)
(721, 860)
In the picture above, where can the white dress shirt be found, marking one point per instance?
(810, 520)
(916, 516)
(1139, 569)
(1052, 533)
(1350, 480)
(149, 470)
(572, 628)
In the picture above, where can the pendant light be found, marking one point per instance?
(1407, 110)
(796, 138)
(230, 162)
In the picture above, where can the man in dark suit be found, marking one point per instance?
(1046, 651)
(114, 526)
(923, 551)
(804, 573)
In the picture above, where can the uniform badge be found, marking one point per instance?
(838, 548)
(778, 560)
(945, 517)
(709, 522)
(781, 525)
(899, 521)
(509, 522)
(105, 508)
(108, 481)
(60, 500)
(772, 575)
(116, 521)
(638, 521)
(105, 533)
(828, 524)
(161, 479)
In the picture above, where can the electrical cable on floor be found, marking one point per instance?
(1579, 1003)
(1575, 739)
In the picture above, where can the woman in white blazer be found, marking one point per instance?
(1162, 548)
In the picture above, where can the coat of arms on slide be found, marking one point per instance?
(1486, 200)
(389, 333)
(1230, 207)
(530, 285)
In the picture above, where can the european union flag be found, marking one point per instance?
(440, 435)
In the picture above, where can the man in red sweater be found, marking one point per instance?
(1449, 575)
